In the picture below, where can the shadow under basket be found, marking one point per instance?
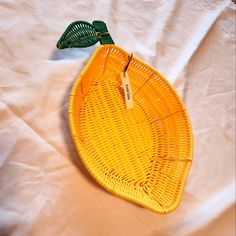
(142, 154)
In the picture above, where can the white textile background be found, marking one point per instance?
(44, 189)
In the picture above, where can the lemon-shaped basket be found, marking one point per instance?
(142, 154)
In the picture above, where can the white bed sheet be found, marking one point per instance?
(44, 189)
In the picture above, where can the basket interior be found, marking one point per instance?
(143, 154)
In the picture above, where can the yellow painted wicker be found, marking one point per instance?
(142, 154)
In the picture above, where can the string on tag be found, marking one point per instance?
(129, 60)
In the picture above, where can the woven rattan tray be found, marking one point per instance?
(141, 154)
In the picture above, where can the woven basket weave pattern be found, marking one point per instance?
(143, 154)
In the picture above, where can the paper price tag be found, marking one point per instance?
(127, 90)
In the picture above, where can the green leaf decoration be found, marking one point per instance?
(80, 34)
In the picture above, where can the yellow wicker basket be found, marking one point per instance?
(141, 154)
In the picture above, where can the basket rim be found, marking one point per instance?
(121, 194)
